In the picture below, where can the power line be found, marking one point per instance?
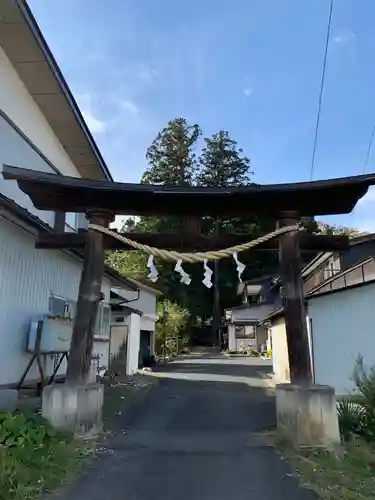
(369, 149)
(321, 89)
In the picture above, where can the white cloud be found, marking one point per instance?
(130, 107)
(367, 225)
(146, 74)
(344, 37)
(95, 124)
(369, 198)
(118, 222)
(248, 91)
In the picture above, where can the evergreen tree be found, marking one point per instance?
(222, 163)
(171, 155)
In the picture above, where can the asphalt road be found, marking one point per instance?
(195, 436)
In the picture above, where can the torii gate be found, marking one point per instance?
(102, 200)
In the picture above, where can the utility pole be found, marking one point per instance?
(216, 304)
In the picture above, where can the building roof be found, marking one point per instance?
(146, 288)
(32, 220)
(24, 44)
(273, 315)
(359, 274)
(69, 194)
(323, 256)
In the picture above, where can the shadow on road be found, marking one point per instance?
(193, 437)
(226, 368)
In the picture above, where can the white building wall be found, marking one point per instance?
(342, 327)
(132, 358)
(145, 303)
(27, 277)
(18, 104)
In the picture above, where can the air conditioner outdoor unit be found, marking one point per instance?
(50, 335)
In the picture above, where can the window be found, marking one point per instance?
(245, 332)
(103, 321)
(59, 306)
(70, 222)
(240, 332)
(65, 308)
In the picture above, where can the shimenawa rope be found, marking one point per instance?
(191, 257)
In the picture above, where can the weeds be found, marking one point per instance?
(33, 456)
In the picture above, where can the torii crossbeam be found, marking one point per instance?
(101, 200)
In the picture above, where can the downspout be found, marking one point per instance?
(311, 341)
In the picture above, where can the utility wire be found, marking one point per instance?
(321, 90)
(369, 149)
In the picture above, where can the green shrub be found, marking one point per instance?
(351, 415)
(19, 430)
(253, 352)
(357, 413)
(33, 456)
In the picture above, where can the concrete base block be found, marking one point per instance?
(75, 408)
(8, 399)
(307, 415)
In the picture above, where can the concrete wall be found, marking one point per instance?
(280, 358)
(101, 349)
(342, 327)
(244, 343)
(28, 277)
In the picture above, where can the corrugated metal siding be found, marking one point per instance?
(27, 277)
(342, 328)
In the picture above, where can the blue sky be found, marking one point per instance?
(252, 67)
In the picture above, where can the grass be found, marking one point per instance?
(348, 475)
(27, 470)
(34, 458)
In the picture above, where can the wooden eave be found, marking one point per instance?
(68, 194)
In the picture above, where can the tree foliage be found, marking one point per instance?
(171, 155)
(222, 163)
(177, 322)
(351, 232)
(129, 264)
(173, 160)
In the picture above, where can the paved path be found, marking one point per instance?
(196, 436)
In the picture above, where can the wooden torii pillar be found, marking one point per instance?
(294, 304)
(89, 296)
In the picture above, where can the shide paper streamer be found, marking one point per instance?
(240, 267)
(185, 278)
(207, 281)
(153, 276)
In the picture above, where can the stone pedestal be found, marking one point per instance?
(307, 415)
(75, 408)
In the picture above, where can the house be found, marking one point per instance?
(340, 312)
(41, 128)
(260, 297)
(133, 325)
